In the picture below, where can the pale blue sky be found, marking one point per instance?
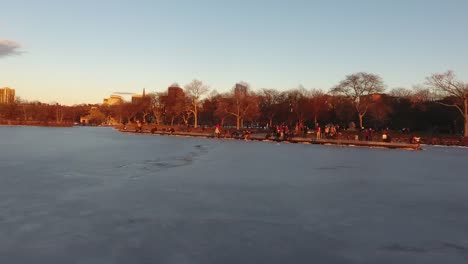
(82, 51)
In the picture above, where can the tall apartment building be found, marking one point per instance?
(7, 95)
(241, 89)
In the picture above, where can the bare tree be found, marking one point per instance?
(270, 103)
(318, 102)
(359, 88)
(298, 104)
(24, 107)
(187, 112)
(240, 103)
(446, 85)
(195, 90)
(58, 113)
(223, 105)
(129, 112)
(420, 96)
(401, 92)
(157, 106)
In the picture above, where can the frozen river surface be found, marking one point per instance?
(93, 195)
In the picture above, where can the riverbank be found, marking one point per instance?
(267, 138)
(396, 136)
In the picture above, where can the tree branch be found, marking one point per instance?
(453, 105)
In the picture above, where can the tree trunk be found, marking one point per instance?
(238, 119)
(172, 121)
(195, 117)
(157, 119)
(360, 120)
(465, 133)
(58, 115)
(25, 113)
(271, 122)
(315, 120)
(157, 115)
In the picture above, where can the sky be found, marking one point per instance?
(74, 52)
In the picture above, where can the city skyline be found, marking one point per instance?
(75, 53)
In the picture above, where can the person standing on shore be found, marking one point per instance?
(367, 133)
(139, 128)
(217, 131)
(319, 132)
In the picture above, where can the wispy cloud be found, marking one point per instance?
(8, 47)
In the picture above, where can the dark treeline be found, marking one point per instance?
(358, 101)
(37, 113)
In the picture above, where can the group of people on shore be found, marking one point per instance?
(330, 131)
(284, 132)
(244, 134)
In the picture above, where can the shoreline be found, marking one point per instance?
(294, 140)
(346, 135)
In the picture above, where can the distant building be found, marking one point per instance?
(241, 89)
(174, 91)
(175, 95)
(7, 95)
(113, 100)
(138, 98)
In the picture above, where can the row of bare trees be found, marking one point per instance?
(442, 102)
(441, 88)
(37, 112)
